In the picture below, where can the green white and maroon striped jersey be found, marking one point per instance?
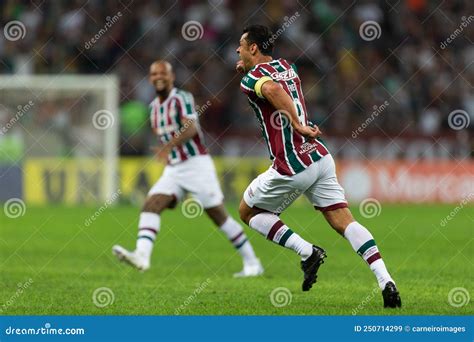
(291, 152)
(167, 122)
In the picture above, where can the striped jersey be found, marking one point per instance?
(290, 152)
(167, 121)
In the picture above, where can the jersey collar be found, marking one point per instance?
(170, 95)
(256, 65)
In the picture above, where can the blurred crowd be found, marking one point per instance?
(418, 62)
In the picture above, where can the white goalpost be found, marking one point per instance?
(67, 117)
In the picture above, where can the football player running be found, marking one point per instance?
(302, 164)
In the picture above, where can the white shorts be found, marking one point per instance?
(196, 176)
(274, 192)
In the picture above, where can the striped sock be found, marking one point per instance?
(237, 237)
(364, 244)
(270, 226)
(148, 228)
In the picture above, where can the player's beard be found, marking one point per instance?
(163, 93)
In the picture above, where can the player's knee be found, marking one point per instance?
(244, 212)
(243, 216)
(157, 203)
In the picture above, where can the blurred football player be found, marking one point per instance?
(189, 169)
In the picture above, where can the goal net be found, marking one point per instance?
(59, 138)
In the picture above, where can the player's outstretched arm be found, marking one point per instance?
(275, 94)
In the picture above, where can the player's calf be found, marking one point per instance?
(148, 228)
(270, 226)
(149, 223)
(236, 235)
(364, 245)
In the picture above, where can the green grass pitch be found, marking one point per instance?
(193, 263)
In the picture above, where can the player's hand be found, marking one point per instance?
(239, 67)
(161, 152)
(308, 131)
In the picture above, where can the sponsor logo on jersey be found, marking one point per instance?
(286, 75)
(308, 147)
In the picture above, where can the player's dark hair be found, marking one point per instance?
(260, 35)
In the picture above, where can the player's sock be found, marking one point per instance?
(270, 226)
(363, 243)
(148, 228)
(237, 237)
